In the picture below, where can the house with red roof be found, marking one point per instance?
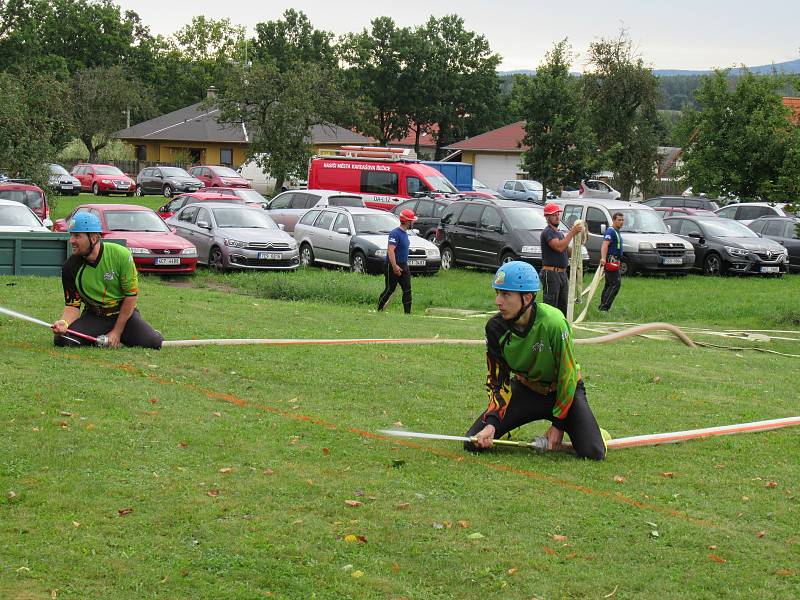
(495, 155)
(427, 141)
(793, 104)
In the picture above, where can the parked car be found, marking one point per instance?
(28, 194)
(750, 211)
(595, 188)
(62, 182)
(783, 230)
(218, 176)
(166, 181)
(249, 195)
(154, 246)
(668, 211)
(428, 211)
(233, 236)
(177, 203)
(16, 217)
(647, 244)
(358, 238)
(103, 180)
(287, 208)
(522, 190)
(264, 183)
(682, 202)
(480, 187)
(489, 233)
(724, 245)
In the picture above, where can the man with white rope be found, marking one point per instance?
(555, 259)
(532, 373)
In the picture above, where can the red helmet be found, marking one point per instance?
(551, 208)
(408, 215)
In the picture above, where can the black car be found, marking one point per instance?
(428, 212)
(488, 233)
(726, 246)
(165, 180)
(681, 202)
(785, 231)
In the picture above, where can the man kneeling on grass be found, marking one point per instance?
(532, 370)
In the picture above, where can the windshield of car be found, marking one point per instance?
(441, 185)
(174, 172)
(58, 170)
(642, 221)
(30, 198)
(225, 172)
(108, 171)
(532, 185)
(727, 229)
(345, 201)
(526, 218)
(245, 218)
(18, 216)
(134, 220)
(374, 224)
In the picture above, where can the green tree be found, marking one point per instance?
(621, 94)
(293, 40)
(100, 99)
(11, 12)
(741, 142)
(561, 144)
(34, 122)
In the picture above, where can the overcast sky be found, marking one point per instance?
(670, 34)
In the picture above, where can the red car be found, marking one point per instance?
(678, 211)
(154, 246)
(28, 194)
(102, 180)
(249, 195)
(217, 176)
(174, 205)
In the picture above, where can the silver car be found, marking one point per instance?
(522, 190)
(287, 208)
(234, 236)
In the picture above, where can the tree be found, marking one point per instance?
(293, 40)
(11, 11)
(741, 142)
(621, 94)
(278, 110)
(34, 122)
(101, 97)
(561, 144)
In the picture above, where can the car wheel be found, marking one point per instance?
(215, 260)
(306, 256)
(167, 191)
(96, 189)
(448, 258)
(507, 258)
(358, 262)
(431, 237)
(626, 268)
(712, 265)
(139, 191)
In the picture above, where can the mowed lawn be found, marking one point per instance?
(257, 471)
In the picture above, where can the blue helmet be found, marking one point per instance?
(517, 276)
(85, 222)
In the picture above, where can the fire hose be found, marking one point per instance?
(100, 340)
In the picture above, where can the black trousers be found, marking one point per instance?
(613, 283)
(555, 289)
(391, 280)
(526, 406)
(137, 331)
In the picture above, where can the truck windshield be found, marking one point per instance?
(441, 185)
(642, 221)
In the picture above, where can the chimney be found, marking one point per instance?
(211, 93)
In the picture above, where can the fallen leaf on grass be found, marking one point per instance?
(151, 412)
(350, 538)
(89, 426)
(11, 494)
(214, 492)
(785, 573)
(761, 534)
(771, 484)
(359, 493)
(712, 547)
(217, 414)
(65, 413)
(21, 569)
(559, 538)
(745, 499)
(54, 594)
(667, 474)
(395, 568)
(268, 472)
(464, 524)
(475, 536)
(183, 445)
(64, 425)
(612, 592)
(398, 424)
(619, 479)
(512, 570)
(362, 538)
(353, 503)
(35, 429)
(549, 550)
(124, 511)
(152, 400)
(76, 523)
(654, 534)
(717, 558)
(226, 470)
(310, 481)
(357, 574)
(325, 452)
(403, 505)
(347, 567)
(297, 522)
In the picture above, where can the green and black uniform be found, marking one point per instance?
(101, 287)
(532, 375)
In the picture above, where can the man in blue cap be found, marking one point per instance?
(532, 370)
(103, 278)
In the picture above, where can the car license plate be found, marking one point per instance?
(673, 261)
(168, 261)
(269, 256)
(770, 269)
(416, 263)
(66, 187)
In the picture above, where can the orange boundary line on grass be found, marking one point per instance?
(241, 402)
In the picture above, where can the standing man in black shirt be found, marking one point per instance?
(555, 285)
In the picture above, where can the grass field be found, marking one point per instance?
(256, 472)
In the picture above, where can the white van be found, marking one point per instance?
(647, 244)
(264, 183)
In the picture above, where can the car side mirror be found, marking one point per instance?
(603, 227)
(343, 230)
(694, 234)
(281, 226)
(204, 224)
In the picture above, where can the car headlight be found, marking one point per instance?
(531, 250)
(380, 252)
(292, 245)
(645, 247)
(736, 251)
(688, 246)
(106, 181)
(192, 251)
(139, 251)
(235, 243)
(432, 252)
